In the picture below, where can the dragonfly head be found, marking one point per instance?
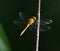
(34, 17)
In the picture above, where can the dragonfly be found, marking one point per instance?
(22, 20)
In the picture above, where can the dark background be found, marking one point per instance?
(50, 9)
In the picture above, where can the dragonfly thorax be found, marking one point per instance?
(32, 20)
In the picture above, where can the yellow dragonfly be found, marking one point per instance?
(22, 20)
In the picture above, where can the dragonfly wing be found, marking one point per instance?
(45, 22)
(17, 21)
(22, 16)
(42, 28)
(43, 25)
(21, 19)
(45, 28)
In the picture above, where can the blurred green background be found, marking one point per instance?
(49, 40)
(4, 44)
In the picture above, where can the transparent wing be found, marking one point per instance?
(45, 22)
(22, 16)
(21, 19)
(42, 28)
(45, 28)
(44, 25)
